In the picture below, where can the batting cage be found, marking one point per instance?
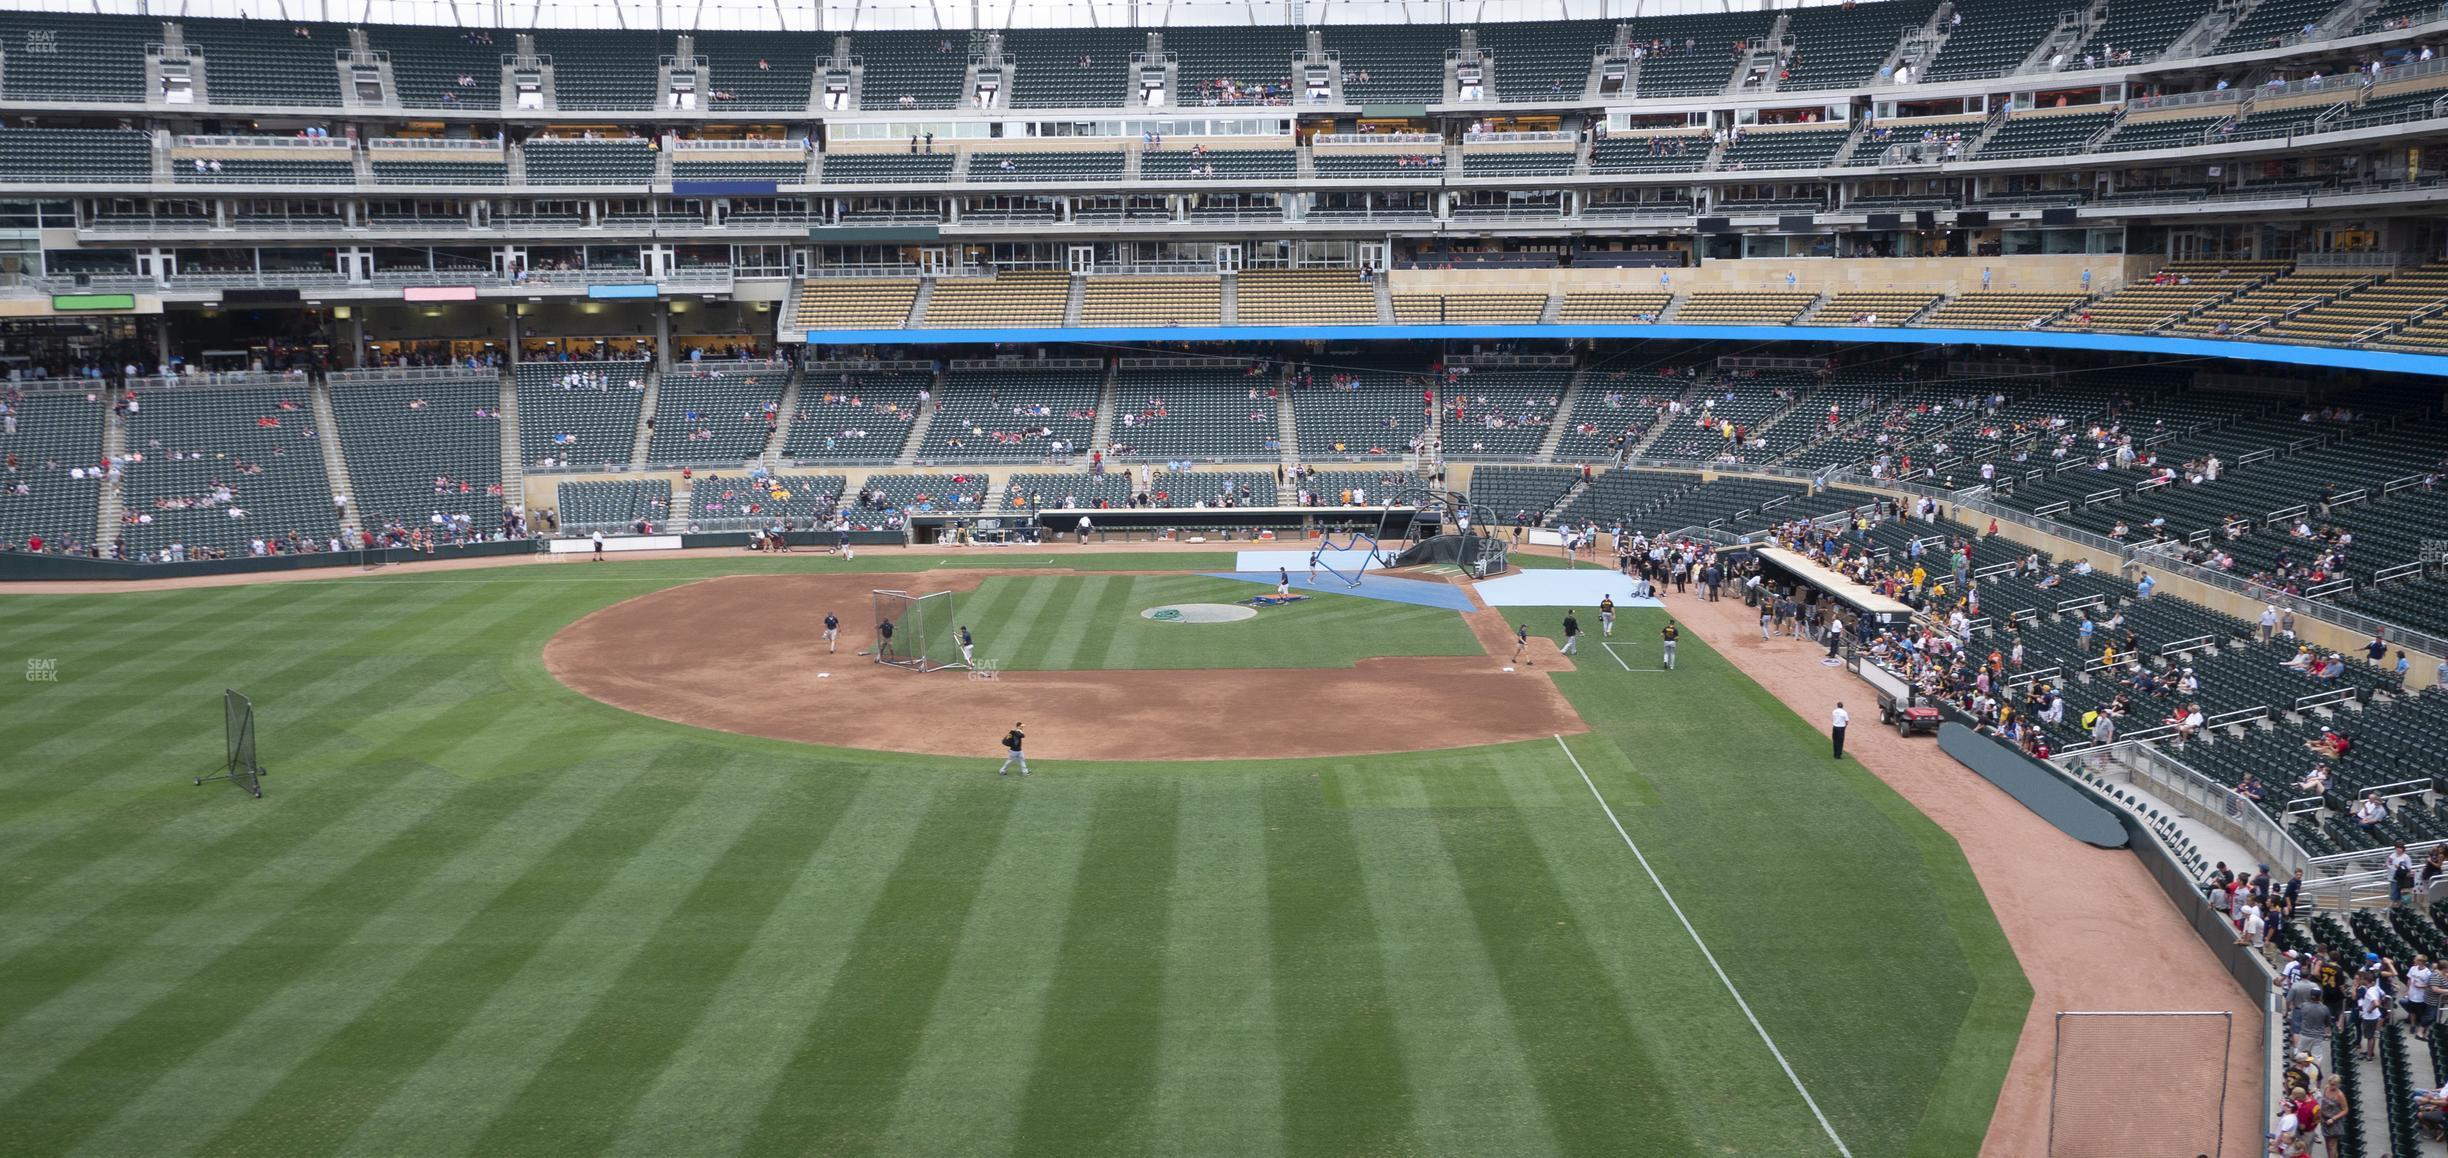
(2138, 1083)
(239, 765)
(922, 636)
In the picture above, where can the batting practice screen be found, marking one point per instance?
(924, 636)
(238, 742)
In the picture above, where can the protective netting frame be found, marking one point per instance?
(2122, 1084)
(1472, 545)
(924, 635)
(239, 765)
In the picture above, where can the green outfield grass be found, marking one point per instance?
(1093, 622)
(480, 914)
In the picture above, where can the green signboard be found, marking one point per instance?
(66, 303)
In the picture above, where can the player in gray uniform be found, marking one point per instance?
(1011, 743)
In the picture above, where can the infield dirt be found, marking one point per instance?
(741, 654)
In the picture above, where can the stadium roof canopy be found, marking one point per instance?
(851, 15)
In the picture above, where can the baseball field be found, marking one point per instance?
(616, 859)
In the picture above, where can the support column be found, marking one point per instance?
(662, 334)
(161, 342)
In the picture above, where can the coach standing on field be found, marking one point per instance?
(1836, 727)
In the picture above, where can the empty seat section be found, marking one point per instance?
(1374, 414)
(415, 449)
(264, 62)
(853, 415)
(1859, 307)
(2363, 312)
(1280, 297)
(2145, 28)
(1203, 413)
(1235, 66)
(1058, 166)
(1175, 164)
(911, 68)
(1022, 298)
(75, 155)
(1520, 496)
(1999, 310)
(907, 168)
(1694, 55)
(1391, 63)
(55, 57)
(616, 505)
(762, 71)
(1677, 153)
(853, 303)
(484, 169)
(223, 467)
(890, 495)
(577, 161)
(1543, 60)
(1500, 413)
(2271, 23)
(2301, 289)
(1784, 149)
(1613, 307)
(708, 416)
(57, 432)
(2043, 134)
(1414, 309)
(605, 68)
(1989, 40)
(1152, 301)
(581, 414)
(264, 171)
(1743, 309)
(2160, 133)
(720, 502)
(1026, 492)
(1355, 166)
(759, 167)
(1836, 46)
(2172, 292)
(1072, 68)
(1550, 164)
(427, 64)
(1012, 415)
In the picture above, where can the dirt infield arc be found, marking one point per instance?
(739, 654)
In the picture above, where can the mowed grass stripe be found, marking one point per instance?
(847, 1070)
(66, 993)
(1078, 620)
(77, 850)
(962, 1090)
(733, 1058)
(354, 1070)
(1094, 1075)
(200, 1097)
(1596, 1076)
(1119, 606)
(1022, 633)
(1468, 1075)
(1218, 1072)
(107, 1080)
(1346, 1089)
(519, 1025)
(574, 1101)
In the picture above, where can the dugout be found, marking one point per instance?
(1780, 567)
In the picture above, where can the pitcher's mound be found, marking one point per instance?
(1198, 613)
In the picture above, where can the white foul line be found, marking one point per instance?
(1619, 660)
(1704, 951)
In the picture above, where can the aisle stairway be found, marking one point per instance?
(335, 464)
